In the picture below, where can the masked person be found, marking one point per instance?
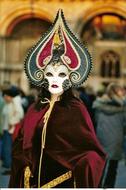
(56, 145)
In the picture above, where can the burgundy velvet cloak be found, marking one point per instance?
(70, 141)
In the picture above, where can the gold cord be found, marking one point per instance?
(43, 137)
(75, 183)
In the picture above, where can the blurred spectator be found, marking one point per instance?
(2, 102)
(101, 89)
(12, 114)
(110, 115)
(32, 96)
(24, 100)
(27, 100)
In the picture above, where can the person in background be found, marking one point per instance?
(12, 114)
(28, 99)
(110, 116)
(24, 100)
(2, 103)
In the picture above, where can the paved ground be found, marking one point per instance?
(120, 181)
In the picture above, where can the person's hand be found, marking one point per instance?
(11, 129)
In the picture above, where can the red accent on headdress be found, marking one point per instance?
(45, 52)
(71, 53)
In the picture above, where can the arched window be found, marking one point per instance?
(105, 26)
(110, 64)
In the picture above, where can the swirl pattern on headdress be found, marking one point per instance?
(58, 44)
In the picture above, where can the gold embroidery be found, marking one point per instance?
(58, 180)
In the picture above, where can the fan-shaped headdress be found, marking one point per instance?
(58, 45)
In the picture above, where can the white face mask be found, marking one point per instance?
(56, 75)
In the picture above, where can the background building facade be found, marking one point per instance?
(101, 24)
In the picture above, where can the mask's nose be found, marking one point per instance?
(55, 79)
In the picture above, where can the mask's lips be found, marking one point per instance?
(54, 86)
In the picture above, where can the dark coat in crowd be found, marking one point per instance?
(110, 116)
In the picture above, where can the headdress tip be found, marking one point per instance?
(60, 12)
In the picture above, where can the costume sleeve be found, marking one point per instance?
(88, 130)
(88, 170)
(20, 160)
(17, 162)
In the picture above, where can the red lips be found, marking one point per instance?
(54, 86)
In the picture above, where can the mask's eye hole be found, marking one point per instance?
(62, 75)
(48, 74)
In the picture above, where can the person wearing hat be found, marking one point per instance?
(56, 145)
(12, 114)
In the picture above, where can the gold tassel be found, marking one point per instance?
(27, 175)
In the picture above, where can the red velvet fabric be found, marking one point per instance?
(70, 140)
(16, 131)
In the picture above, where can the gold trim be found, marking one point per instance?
(58, 180)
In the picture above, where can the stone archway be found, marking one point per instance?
(99, 9)
(10, 20)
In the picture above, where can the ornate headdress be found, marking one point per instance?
(58, 45)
